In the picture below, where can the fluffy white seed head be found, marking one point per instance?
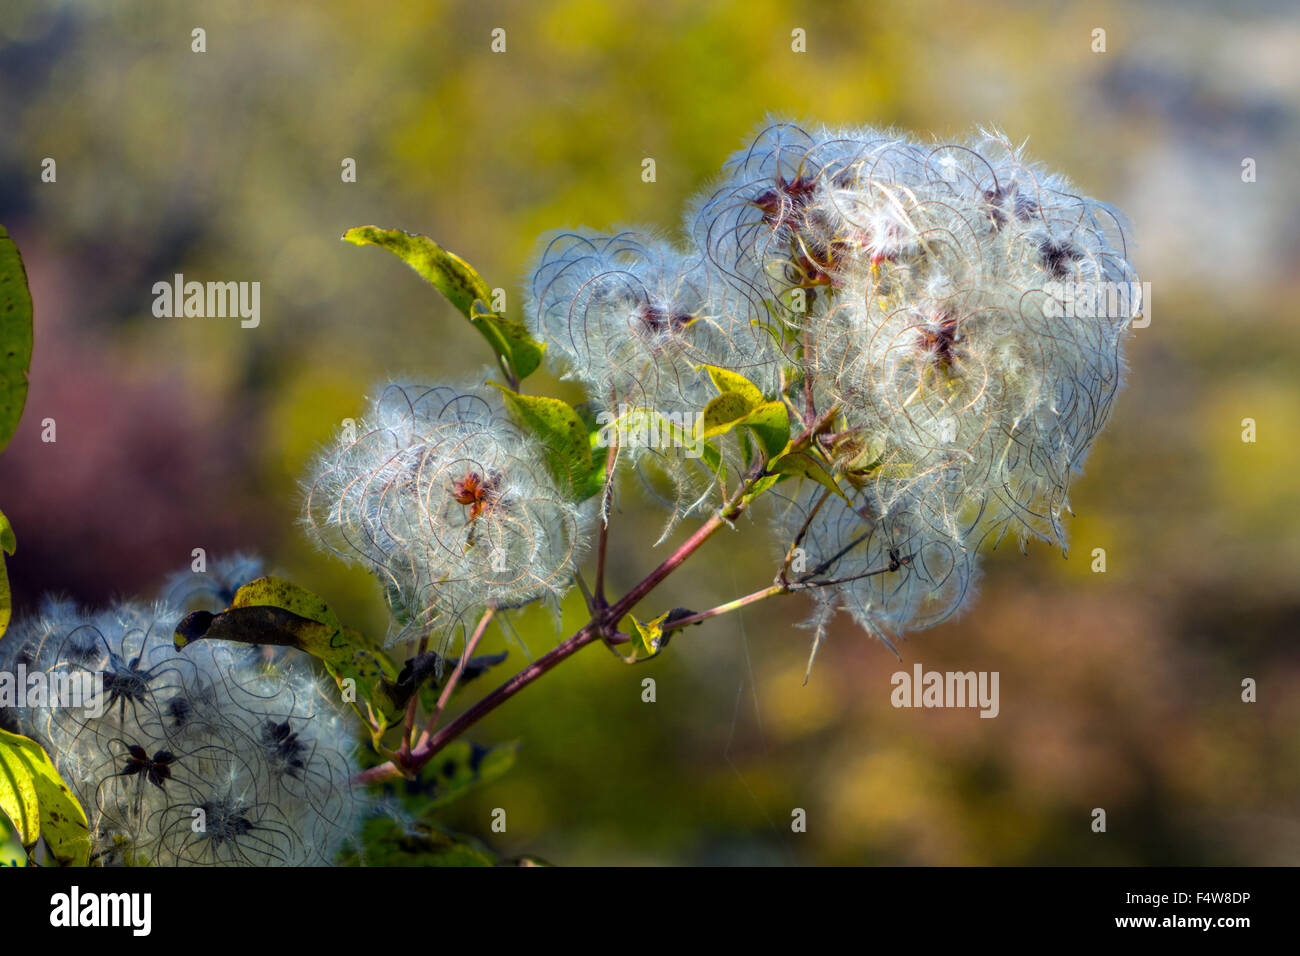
(633, 319)
(952, 343)
(893, 572)
(213, 588)
(938, 277)
(447, 503)
(211, 755)
(964, 308)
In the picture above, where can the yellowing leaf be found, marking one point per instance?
(740, 402)
(38, 803)
(726, 381)
(277, 592)
(273, 611)
(15, 337)
(651, 633)
(464, 288)
(9, 544)
(725, 412)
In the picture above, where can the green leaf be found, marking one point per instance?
(726, 381)
(15, 337)
(760, 486)
(724, 413)
(464, 288)
(35, 798)
(271, 610)
(770, 423)
(803, 465)
(449, 273)
(565, 440)
(461, 767)
(9, 544)
(524, 352)
(389, 842)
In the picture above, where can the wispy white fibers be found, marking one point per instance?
(634, 318)
(892, 571)
(965, 309)
(960, 308)
(211, 755)
(214, 587)
(447, 503)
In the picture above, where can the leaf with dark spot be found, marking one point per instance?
(38, 803)
(271, 610)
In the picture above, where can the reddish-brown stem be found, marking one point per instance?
(601, 621)
(770, 591)
(450, 686)
(430, 745)
(408, 724)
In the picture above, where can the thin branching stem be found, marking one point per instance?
(602, 548)
(430, 745)
(454, 677)
(408, 724)
(759, 595)
(601, 622)
(781, 576)
(774, 590)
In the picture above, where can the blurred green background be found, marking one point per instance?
(1118, 690)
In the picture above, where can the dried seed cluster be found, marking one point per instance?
(219, 754)
(447, 503)
(963, 308)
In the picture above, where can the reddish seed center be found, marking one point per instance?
(657, 320)
(475, 492)
(940, 339)
(789, 195)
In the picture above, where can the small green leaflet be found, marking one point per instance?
(464, 288)
(15, 337)
(741, 403)
(564, 437)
